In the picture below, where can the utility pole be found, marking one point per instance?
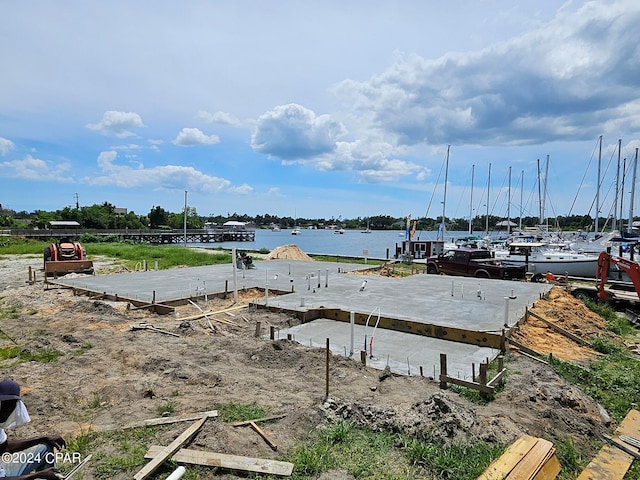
(185, 218)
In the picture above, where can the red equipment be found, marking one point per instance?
(630, 267)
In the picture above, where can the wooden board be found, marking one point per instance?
(500, 468)
(169, 450)
(68, 266)
(550, 470)
(611, 463)
(533, 462)
(231, 462)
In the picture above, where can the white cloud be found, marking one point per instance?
(161, 177)
(194, 136)
(559, 82)
(293, 132)
(117, 123)
(5, 146)
(31, 168)
(223, 118)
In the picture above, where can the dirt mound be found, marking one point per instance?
(290, 252)
(572, 316)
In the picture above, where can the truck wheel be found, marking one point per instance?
(431, 269)
(583, 295)
(47, 255)
(482, 274)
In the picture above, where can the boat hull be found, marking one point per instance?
(574, 266)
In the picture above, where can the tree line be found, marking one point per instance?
(106, 216)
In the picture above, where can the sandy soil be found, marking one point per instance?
(112, 375)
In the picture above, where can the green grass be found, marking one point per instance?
(130, 255)
(238, 412)
(615, 322)
(613, 380)
(387, 456)
(45, 355)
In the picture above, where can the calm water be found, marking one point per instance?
(352, 242)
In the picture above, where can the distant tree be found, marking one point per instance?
(176, 220)
(157, 217)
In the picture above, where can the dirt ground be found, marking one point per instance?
(111, 375)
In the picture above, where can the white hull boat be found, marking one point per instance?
(540, 261)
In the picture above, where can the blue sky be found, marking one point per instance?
(317, 109)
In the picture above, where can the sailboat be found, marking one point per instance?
(368, 230)
(296, 230)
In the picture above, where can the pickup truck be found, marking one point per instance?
(472, 262)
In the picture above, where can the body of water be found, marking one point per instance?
(377, 244)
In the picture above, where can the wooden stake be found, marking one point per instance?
(263, 435)
(326, 393)
(256, 420)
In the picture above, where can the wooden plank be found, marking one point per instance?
(256, 420)
(150, 422)
(231, 462)
(550, 470)
(68, 266)
(496, 380)
(532, 463)
(503, 465)
(211, 312)
(623, 446)
(460, 335)
(560, 330)
(264, 436)
(169, 450)
(465, 383)
(611, 463)
(168, 420)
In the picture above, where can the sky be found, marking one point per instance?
(321, 109)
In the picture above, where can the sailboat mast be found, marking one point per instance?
(633, 188)
(624, 177)
(540, 219)
(509, 205)
(544, 198)
(521, 190)
(598, 184)
(488, 190)
(444, 200)
(473, 167)
(614, 224)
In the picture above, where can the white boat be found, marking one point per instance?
(296, 231)
(339, 231)
(540, 259)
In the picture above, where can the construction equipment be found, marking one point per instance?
(619, 295)
(65, 257)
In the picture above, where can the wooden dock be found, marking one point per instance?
(154, 237)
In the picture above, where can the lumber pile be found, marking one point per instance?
(614, 458)
(528, 458)
(159, 454)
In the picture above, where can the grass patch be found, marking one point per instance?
(615, 322)
(453, 462)
(238, 412)
(387, 456)
(613, 380)
(570, 458)
(45, 355)
(11, 312)
(166, 409)
(131, 255)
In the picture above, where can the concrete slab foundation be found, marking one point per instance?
(468, 303)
